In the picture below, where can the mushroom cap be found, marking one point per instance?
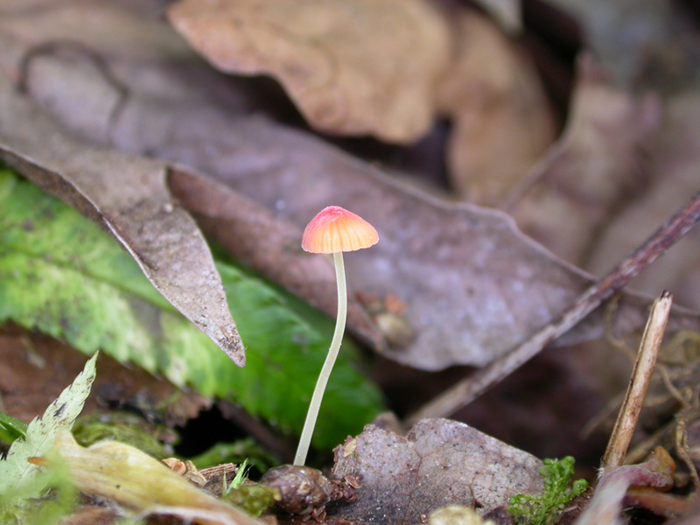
(336, 229)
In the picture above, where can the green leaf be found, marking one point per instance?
(62, 275)
(18, 476)
(11, 428)
(281, 372)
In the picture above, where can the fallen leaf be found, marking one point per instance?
(502, 121)
(126, 476)
(29, 382)
(118, 34)
(599, 163)
(60, 274)
(674, 166)
(606, 504)
(127, 195)
(439, 463)
(253, 235)
(353, 67)
(473, 285)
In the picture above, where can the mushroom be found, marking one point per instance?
(334, 230)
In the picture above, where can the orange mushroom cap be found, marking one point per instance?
(336, 229)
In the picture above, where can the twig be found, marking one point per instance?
(469, 389)
(639, 383)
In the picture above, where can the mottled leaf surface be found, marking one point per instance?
(439, 463)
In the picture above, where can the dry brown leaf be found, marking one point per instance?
(473, 285)
(171, 83)
(599, 162)
(502, 120)
(353, 67)
(439, 463)
(606, 505)
(674, 168)
(35, 366)
(41, 21)
(254, 236)
(127, 196)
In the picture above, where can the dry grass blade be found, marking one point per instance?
(639, 383)
(127, 476)
(469, 389)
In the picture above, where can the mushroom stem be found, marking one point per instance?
(317, 397)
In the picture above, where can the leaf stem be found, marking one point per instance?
(317, 397)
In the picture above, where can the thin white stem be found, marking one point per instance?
(317, 397)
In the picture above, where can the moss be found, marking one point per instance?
(544, 508)
(123, 427)
(253, 498)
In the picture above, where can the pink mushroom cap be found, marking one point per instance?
(336, 229)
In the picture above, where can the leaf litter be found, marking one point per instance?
(599, 163)
(502, 121)
(59, 273)
(274, 191)
(312, 49)
(253, 235)
(132, 203)
(438, 254)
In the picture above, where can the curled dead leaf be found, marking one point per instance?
(502, 119)
(353, 67)
(606, 505)
(126, 194)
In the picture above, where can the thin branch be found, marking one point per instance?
(469, 389)
(639, 383)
